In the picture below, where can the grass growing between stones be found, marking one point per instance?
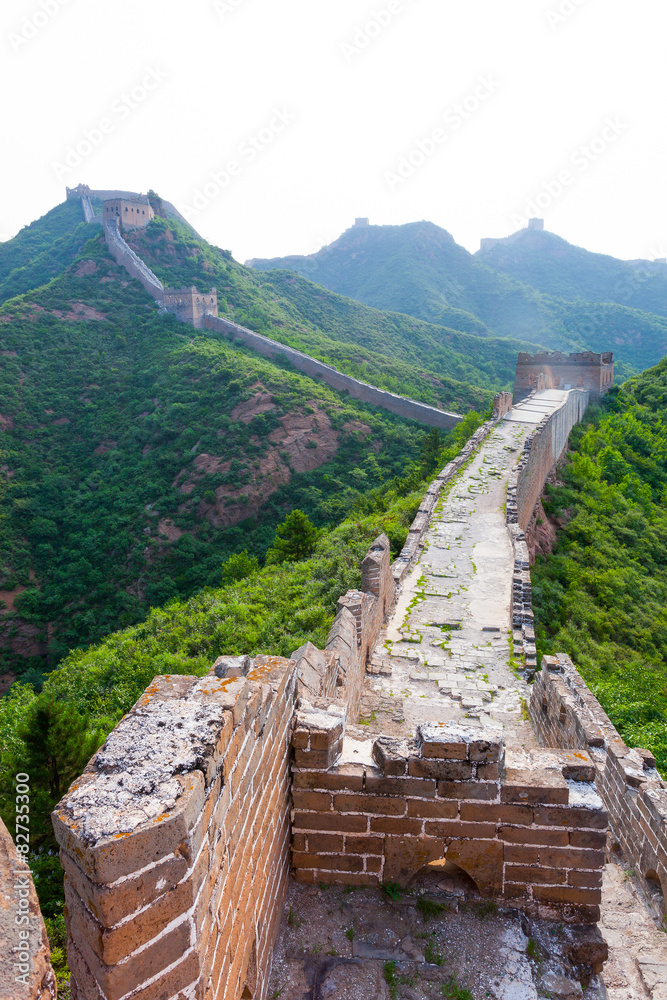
(453, 991)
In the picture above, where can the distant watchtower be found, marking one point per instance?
(361, 223)
(132, 214)
(189, 305)
(553, 370)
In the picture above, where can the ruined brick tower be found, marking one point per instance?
(189, 305)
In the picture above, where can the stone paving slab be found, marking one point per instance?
(447, 651)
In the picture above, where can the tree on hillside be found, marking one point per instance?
(295, 538)
(57, 744)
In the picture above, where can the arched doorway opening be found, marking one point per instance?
(446, 877)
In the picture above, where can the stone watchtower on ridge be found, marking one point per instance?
(131, 213)
(553, 370)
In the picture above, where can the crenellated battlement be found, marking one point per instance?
(554, 370)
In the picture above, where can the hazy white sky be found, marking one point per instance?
(273, 123)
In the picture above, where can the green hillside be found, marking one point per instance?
(391, 350)
(559, 269)
(137, 455)
(418, 269)
(602, 595)
(43, 249)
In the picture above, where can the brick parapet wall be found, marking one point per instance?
(25, 969)
(541, 452)
(527, 827)
(338, 671)
(403, 407)
(502, 404)
(175, 841)
(565, 713)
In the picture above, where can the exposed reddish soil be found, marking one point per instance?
(167, 527)
(85, 267)
(79, 311)
(541, 534)
(356, 425)
(8, 597)
(106, 446)
(6, 681)
(302, 442)
(6, 423)
(259, 403)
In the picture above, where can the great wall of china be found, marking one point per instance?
(180, 837)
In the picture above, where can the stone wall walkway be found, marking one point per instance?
(447, 653)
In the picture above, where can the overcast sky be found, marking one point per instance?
(272, 124)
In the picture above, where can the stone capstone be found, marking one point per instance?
(133, 777)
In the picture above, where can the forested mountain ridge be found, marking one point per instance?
(137, 454)
(557, 268)
(420, 270)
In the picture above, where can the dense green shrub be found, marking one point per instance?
(602, 595)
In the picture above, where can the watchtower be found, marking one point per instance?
(553, 370)
(132, 214)
(189, 305)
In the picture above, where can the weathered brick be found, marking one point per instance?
(364, 845)
(373, 864)
(383, 805)
(571, 857)
(325, 843)
(348, 777)
(565, 894)
(330, 821)
(401, 786)
(313, 877)
(394, 825)
(584, 879)
(521, 854)
(322, 759)
(489, 772)
(533, 785)
(426, 809)
(467, 790)
(534, 835)
(319, 801)
(442, 770)
(578, 818)
(456, 829)
(588, 838)
(535, 875)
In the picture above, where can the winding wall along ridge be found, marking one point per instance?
(402, 406)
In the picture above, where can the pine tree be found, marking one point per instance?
(295, 537)
(58, 744)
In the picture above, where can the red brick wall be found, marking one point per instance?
(566, 714)
(175, 841)
(528, 828)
